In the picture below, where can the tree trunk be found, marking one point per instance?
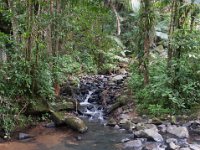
(117, 20)
(12, 6)
(29, 29)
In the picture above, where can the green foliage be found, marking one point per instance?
(160, 97)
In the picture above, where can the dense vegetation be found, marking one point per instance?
(44, 43)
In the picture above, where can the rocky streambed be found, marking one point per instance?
(103, 106)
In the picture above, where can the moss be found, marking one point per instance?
(38, 107)
(62, 106)
(69, 120)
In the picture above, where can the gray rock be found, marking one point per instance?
(181, 132)
(23, 136)
(183, 142)
(162, 128)
(153, 146)
(69, 120)
(118, 77)
(142, 126)
(173, 146)
(185, 148)
(133, 144)
(150, 134)
(172, 140)
(78, 138)
(125, 140)
(50, 125)
(116, 127)
(194, 147)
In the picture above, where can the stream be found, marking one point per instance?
(98, 137)
(96, 95)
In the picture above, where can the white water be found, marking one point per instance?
(94, 113)
(85, 102)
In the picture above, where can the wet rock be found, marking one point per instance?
(125, 140)
(151, 134)
(194, 147)
(116, 127)
(69, 120)
(50, 125)
(23, 136)
(111, 122)
(181, 132)
(127, 124)
(194, 127)
(142, 126)
(63, 106)
(183, 142)
(153, 146)
(134, 144)
(173, 146)
(172, 140)
(78, 138)
(185, 148)
(162, 128)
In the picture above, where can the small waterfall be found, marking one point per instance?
(92, 110)
(85, 102)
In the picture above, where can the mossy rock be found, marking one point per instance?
(59, 106)
(38, 107)
(70, 120)
(121, 101)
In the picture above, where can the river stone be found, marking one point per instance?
(162, 128)
(125, 140)
(173, 146)
(150, 134)
(134, 144)
(194, 147)
(111, 122)
(50, 125)
(185, 148)
(63, 106)
(70, 120)
(142, 126)
(117, 78)
(170, 140)
(153, 146)
(23, 136)
(181, 132)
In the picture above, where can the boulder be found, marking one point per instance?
(151, 134)
(117, 78)
(142, 126)
(38, 107)
(70, 120)
(173, 146)
(172, 140)
(153, 146)
(23, 136)
(185, 148)
(134, 144)
(65, 105)
(194, 147)
(181, 132)
(111, 122)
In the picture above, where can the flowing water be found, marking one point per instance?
(98, 137)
